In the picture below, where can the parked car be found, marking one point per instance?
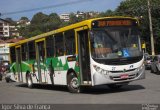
(147, 62)
(155, 64)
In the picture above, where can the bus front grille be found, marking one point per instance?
(122, 71)
(118, 78)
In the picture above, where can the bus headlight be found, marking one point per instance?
(100, 70)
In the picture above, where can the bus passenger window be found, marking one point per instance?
(25, 52)
(59, 45)
(50, 46)
(32, 51)
(13, 54)
(69, 43)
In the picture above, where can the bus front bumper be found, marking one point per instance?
(118, 77)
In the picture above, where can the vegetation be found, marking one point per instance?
(139, 8)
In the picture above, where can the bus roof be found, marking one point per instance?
(62, 29)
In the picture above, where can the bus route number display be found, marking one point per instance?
(104, 23)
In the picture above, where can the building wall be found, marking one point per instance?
(6, 30)
(64, 17)
(4, 51)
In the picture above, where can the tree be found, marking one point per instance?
(24, 19)
(137, 8)
(10, 21)
(107, 13)
(73, 18)
(54, 21)
(39, 18)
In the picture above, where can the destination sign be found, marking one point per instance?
(119, 22)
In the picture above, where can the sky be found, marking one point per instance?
(16, 9)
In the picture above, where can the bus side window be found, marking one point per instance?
(50, 46)
(25, 52)
(32, 51)
(70, 42)
(59, 44)
(13, 54)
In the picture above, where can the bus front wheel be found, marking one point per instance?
(29, 81)
(73, 83)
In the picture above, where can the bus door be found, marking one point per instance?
(18, 63)
(40, 60)
(84, 57)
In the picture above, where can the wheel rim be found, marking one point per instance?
(74, 83)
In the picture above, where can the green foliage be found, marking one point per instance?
(40, 23)
(10, 21)
(107, 13)
(24, 18)
(35, 32)
(74, 19)
(139, 8)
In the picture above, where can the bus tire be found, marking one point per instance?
(73, 83)
(7, 80)
(29, 81)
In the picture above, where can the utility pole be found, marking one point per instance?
(151, 29)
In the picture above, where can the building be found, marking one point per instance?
(13, 31)
(65, 17)
(4, 51)
(4, 48)
(84, 15)
(23, 23)
(80, 14)
(7, 30)
(4, 28)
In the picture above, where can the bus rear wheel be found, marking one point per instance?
(29, 81)
(73, 83)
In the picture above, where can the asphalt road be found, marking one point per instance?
(145, 91)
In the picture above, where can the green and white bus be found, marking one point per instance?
(100, 51)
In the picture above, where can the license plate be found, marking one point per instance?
(124, 76)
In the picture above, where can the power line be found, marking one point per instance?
(46, 7)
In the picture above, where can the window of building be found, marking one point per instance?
(6, 33)
(5, 28)
(5, 24)
(70, 42)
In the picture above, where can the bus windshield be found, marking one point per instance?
(115, 42)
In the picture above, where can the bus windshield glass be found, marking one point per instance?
(115, 43)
